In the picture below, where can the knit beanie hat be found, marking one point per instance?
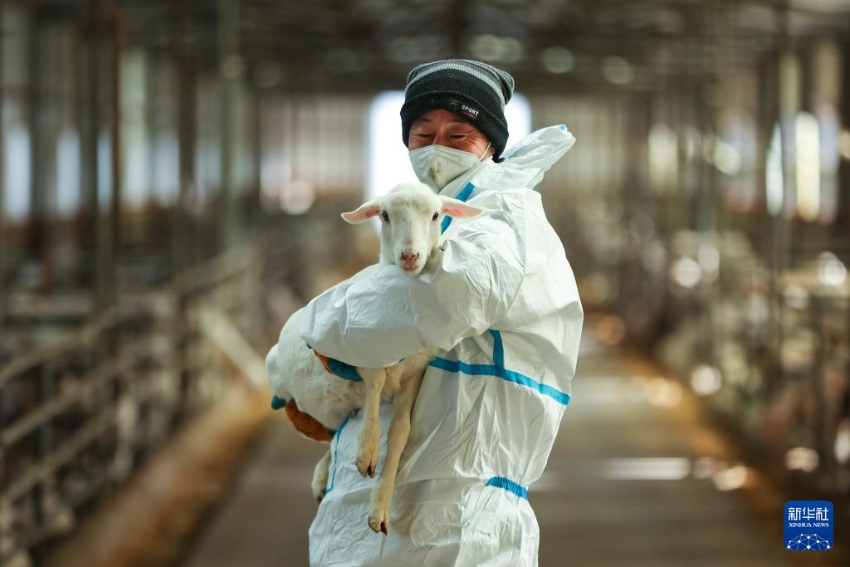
(475, 91)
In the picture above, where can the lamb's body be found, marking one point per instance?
(409, 238)
(326, 398)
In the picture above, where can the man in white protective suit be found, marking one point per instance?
(503, 304)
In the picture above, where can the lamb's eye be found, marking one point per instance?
(385, 215)
(435, 217)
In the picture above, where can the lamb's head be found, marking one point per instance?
(411, 216)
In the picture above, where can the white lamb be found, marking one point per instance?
(410, 233)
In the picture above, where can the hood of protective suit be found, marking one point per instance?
(523, 164)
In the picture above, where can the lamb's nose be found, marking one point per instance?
(409, 257)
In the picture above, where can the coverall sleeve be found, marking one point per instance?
(376, 320)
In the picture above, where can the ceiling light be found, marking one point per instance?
(558, 60)
(617, 70)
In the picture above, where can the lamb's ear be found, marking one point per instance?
(459, 209)
(365, 211)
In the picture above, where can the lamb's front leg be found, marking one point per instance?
(320, 476)
(382, 492)
(370, 435)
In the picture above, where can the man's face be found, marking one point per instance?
(445, 128)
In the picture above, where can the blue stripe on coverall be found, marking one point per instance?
(509, 485)
(458, 366)
(498, 368)
(336, 447)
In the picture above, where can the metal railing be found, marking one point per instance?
(80, 415)
(764, 343)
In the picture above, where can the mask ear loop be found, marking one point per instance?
(481, 157)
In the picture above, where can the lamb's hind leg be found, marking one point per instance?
(320, 476)
(382, 492)
(370, 435)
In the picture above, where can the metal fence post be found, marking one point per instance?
(230, 73)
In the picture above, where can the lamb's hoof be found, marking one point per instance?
(367, 463)
(379, 523)
(368, 447)
(319, 487)
(365, 469)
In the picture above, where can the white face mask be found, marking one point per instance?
(437, 165)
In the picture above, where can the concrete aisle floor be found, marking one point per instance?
(636, 479)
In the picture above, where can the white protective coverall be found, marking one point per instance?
(504, 305)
